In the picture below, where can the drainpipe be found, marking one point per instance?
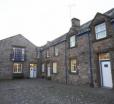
(66, 70)
(90, 62)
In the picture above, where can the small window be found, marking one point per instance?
(72, 41)
(104, 56)
(43, 68)
(38, 55)
(47, 53)
(54, 67)
(56, 51)
(73, 65)
(100, 31)
(17, 68)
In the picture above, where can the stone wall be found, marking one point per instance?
(6, 46)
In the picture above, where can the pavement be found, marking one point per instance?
(40, 91)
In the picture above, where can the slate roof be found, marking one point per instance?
(17, 36)
(83, 28)
(110, 13)
(55, 41)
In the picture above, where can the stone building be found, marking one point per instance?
(83, 55)
(17, 58)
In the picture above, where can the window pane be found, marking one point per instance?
(72, 41)
(73, 65)
(101, 35)
(100, 31)
(42, 67)
(56, 51)
(54, 67)
(18, 54)
(47, 53)
(17, 68)
(104, 56)
(38, 55)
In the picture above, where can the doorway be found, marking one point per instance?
(105, 70)
(48, 70)
(33, 70)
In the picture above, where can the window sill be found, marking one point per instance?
(56, 55)
(17, 72)
(73, 47)
(54, 73)
(97, 40)
(73, 73)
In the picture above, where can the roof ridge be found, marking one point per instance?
(11, 36)
(109, 11)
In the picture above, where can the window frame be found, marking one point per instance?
(15, 52)
(17, 68)
(70, 42)
(75, 71)
(99, 31)
(55, 72)
(38, 54)
(47, 53)
(56, 51)
(43, 68)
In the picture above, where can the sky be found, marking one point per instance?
(44, 20)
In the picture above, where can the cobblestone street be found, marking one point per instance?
(39, 91)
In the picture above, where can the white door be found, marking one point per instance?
(48, 71)
(33, 70)
(106, 75)
(31, 73)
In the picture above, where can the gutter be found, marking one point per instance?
(65, 63)
(90, 62)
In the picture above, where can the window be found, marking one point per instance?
(73, 65)
(18, 54)
(100, 31)
(38, 55)
(43, 68)
(17, 68)
(47, 53)
(72, 41)
(104, 56)
(56, 51)
(54, 67)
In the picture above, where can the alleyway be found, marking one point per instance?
(38, 91)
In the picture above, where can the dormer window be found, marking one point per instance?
(72, 41)
(100, 31)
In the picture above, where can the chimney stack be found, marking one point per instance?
(75, 22)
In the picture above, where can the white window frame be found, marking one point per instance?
(100, 31)
(72, 41)
(56, 51)
(17, 68)
(23, 52)
(43, 68)
(54, 67)
(74, 70)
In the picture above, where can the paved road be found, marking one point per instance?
(40, 91)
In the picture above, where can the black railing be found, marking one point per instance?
(17, 57)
